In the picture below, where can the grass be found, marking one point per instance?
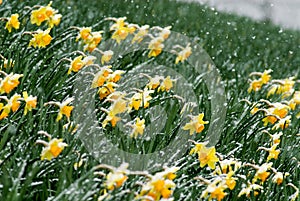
(237, 46)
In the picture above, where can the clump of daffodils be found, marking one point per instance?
(159, 186)
(263, 79)
(90, 39)
(45, 14)
(121, 29)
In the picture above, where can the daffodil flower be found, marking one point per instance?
(155, 46)
(166, 84)
(154, 82)
(278, 177)
(106, 57)
(52, 148)
(215, 190)
(116, 177)
(206, 155)
(45, 13)
(275, 112)
(40, 38)
(262, 172)
(255, 85)
(273, 152)
(64, 108)
(121, 29)
(282, 123)
(115, 76)
(30, 101)
(140, 99)
(138, 127)
(13, 104)
(165, 32)
(159, 187)
(142, 32)
(107, 89)
(196, 124)
(12, 22)
(285, 86)
(183, 54)
(10, 82)
(92, 41)
(119, 105)
(79, 62)
(246, 190)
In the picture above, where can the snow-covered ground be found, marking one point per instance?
(282, 12)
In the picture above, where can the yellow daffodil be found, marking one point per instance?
(228, 165)
(278, 177)
(118, 106)
(251, 187)
(278, 109)
(262, 172)
(155, 46)
(115, 76)
(140, 99)
(10, 82)
(64, 108)
(138, 128)
(265, 76)
(159, 187)
(116, 177)
(255, 85)
(282, 123)
(54, 20)
(106, 57)
(282, 87)
(154, 82)
(84, 33)
(107, 89)
(206, 155)
(121, 29)
(276, 137)
(165, 32)
(273, 152)
(76, 64)
(45, 13)
(79, 62)
(142, 32)
(30, 101)
(166, 84)
(196, 124)
(52, 148)
(183, 54)
(215, 190)
(13, 104)
(12, 22)
(92, 41)
(40, 39)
